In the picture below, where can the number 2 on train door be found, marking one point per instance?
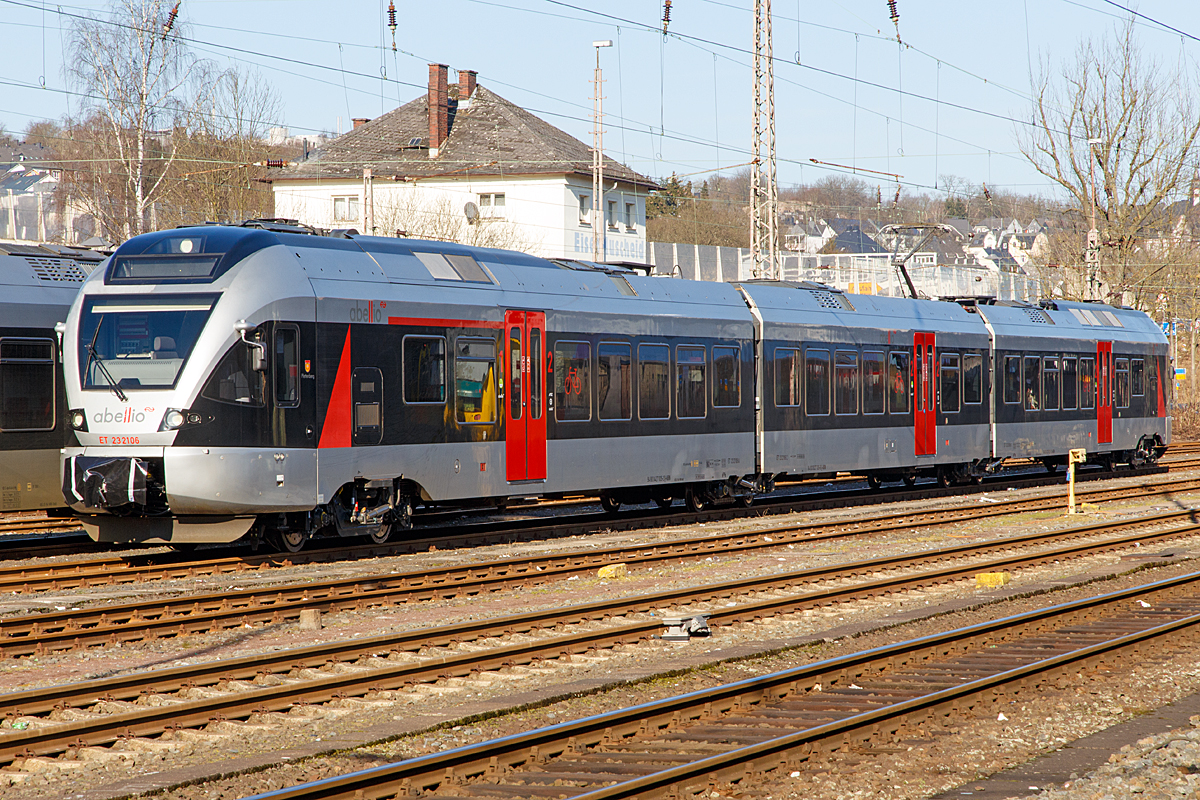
(525, 406)
(924, 411)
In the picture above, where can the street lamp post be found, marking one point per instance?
(599, 234)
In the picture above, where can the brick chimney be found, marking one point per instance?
(439, 107)
(466, 84)
(360, 121)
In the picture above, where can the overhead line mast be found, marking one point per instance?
(764, 189)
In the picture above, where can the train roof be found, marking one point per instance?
(201, 255)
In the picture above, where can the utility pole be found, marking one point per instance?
(1092, 257)
(599, 232)
(368, 209)
(764, 190)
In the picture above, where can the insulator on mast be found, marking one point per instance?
(171, 19)
(392, 22)
(895, 15)
(666, 15)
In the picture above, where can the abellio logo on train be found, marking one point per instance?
(122, 416)
(371, 311)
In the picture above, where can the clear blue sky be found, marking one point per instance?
(677, 104)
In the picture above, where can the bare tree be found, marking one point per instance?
(219, 159)
(134, 63)
(1136, 121)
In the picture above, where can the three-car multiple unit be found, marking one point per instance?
(226, 381)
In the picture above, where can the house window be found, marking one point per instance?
(345, 209)
(491, 206)
(585, 209)
(631, 216)
(612, 214)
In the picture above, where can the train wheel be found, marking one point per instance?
(874, 481)
(694, 500)
(1051, 466)
(610, 503)
(381, 534)
(664, 502)
(744, 500)
(944, 479)
(910, 480)
(291, 541)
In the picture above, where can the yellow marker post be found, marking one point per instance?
(1077, 455)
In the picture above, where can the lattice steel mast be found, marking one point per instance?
(764, 190)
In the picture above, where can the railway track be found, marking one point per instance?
(741, 735)
(41, 633)
(144, 704)
(109, 570)
(464, 529)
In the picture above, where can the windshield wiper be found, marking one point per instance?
(93, 355)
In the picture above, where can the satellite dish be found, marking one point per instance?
(471, 211)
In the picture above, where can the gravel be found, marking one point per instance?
(428, 719)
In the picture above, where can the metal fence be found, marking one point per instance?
(856, 274)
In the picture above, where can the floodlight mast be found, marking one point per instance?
(764, 189)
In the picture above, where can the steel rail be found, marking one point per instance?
(100, 572)
(37, 634)
(105, 729)
(619, 732)
(509, 531)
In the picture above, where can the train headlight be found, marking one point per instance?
(78, 419)
(172, 419)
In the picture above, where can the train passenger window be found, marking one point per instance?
(366, 390)
(1012, 379)
(235, 380)
(514, 373)
(816, 382)
(689, 382)
(1050, 383)
(1137, 377)
(286, 365)
(972, 379)
(1070, 384)
(475, 380)
(1121, 372)
(787, 377)
(424, 369)
(614, 381)
(872, 382)
(950, 383)
(1087, 383)
(1033, 383)
(572, 381)
(654, 380)
(845, 382)
(899, 388)
(27, 370)
(535, 373)
(727, 385)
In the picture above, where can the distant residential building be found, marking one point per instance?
(463, 163)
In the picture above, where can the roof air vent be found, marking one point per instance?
(833, 300)
(1038, 316)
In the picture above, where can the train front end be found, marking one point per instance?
(169, 388)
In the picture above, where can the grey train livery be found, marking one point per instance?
(37, 285)
(262, 380)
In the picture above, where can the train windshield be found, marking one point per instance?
(139, 342)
